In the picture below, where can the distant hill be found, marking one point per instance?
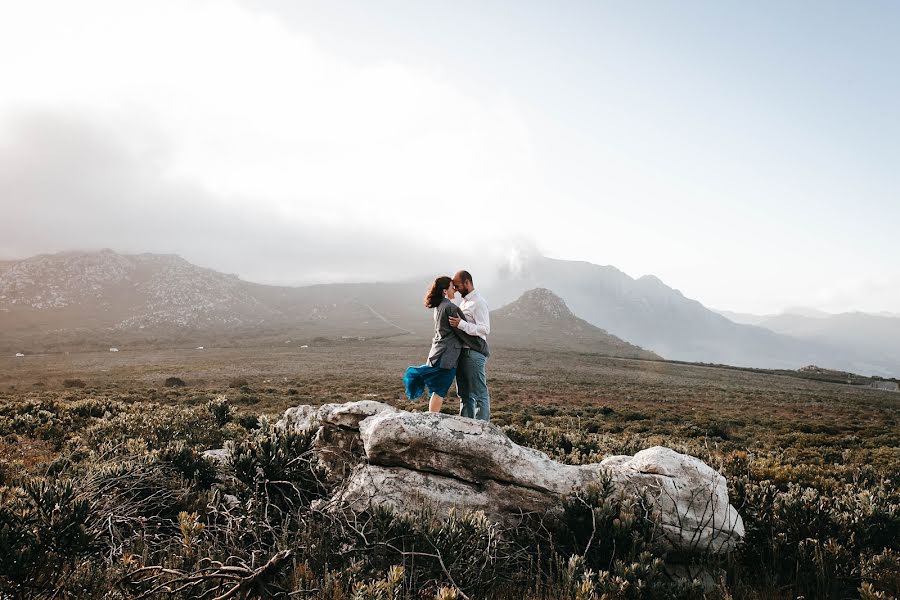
(752, 319)
(94, 299)
(868, 343)
(649, 313)
(540, 319)
(875, 339)
(742, 318)
(79, 300)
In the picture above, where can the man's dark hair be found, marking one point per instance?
(465, 277)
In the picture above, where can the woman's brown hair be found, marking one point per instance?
(436, 293)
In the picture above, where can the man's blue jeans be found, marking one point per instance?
(471, 385)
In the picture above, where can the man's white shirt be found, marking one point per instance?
(478, 316)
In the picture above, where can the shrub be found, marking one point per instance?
(140, 493)
(881, 575)
(813, 539)
(644, 578)
(248, 399)
(468, 547)
(175, 382)
(389, 588)
(601, 526)
(248, 422)
(93, 408)
(73, 383)
(279, 466)
(189, 463)
(220, 409)
(155, 425)
(44, 532)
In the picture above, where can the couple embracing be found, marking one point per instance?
(459, 349)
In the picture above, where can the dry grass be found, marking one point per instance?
(812, 466)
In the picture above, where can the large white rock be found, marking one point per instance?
(403, 460)
(690, 498)
(350, 414)
(404, 490)
(305, 417)
(467, 449)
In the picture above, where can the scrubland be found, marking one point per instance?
(104, 491)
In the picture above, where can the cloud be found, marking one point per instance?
(211, 130)
(71, 183)
(249, 111)
(866, 293)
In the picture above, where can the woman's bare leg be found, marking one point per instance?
(434, 405)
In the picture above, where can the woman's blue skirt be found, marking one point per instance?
(437, 379)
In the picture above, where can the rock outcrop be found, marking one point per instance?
(690, 497)
(402, 460)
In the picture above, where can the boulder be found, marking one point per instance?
(350, 414)
(690, 498)
(406, 490)
(405, 461)
(337, 442)
(467, 449)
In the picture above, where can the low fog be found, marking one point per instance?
(74, 184)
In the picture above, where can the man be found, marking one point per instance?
(471, 378)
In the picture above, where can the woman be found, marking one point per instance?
(439, 370)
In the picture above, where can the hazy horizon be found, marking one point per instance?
(745, 155)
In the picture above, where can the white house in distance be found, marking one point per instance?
(18, 354)
(113, 349)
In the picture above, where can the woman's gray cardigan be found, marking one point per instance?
(449, 341)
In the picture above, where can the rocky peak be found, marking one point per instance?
(538, 303)
(146, 289)
(60, 280)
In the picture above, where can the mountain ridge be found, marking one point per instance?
(540, 319)
(661, 319)
(55, 300)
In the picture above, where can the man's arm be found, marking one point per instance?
(482, 324)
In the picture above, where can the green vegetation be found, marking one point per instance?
(105, 492)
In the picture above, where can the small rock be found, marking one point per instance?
(219, 456)
(298, 419)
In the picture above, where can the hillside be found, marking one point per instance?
(871, 341)
(88, 300)
(540, 319)
(876, 338)
(647, 312)
(93, 299)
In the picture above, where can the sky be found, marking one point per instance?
(747, 154)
